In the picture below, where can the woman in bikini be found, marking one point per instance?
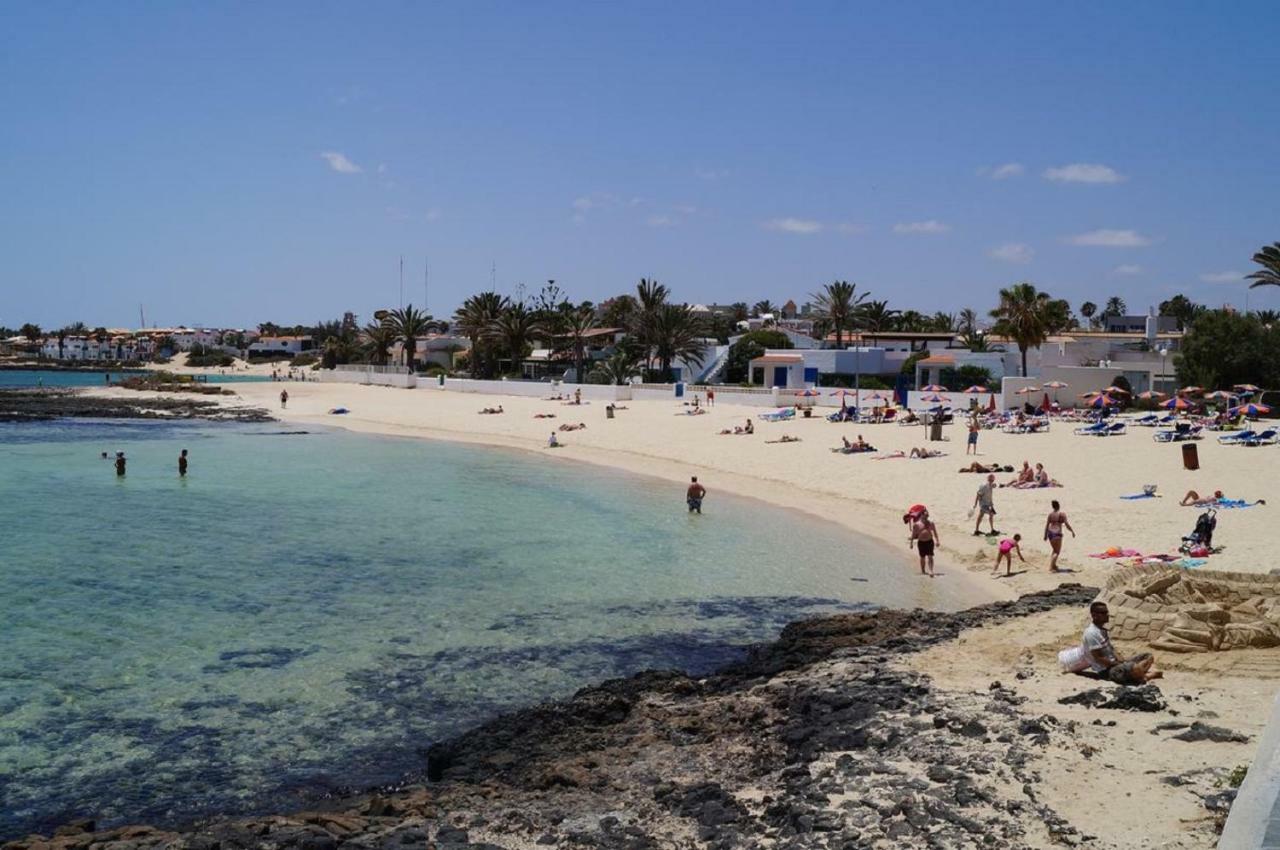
(1056, 521)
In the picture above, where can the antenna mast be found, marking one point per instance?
(426, 280)
(402, 281)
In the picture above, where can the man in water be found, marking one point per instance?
(925, 535)
(182, 464)
(284, 399)
(694, 495)
(120, 461)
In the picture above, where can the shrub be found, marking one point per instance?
(307, 358)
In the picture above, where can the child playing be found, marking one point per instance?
(1007, 548)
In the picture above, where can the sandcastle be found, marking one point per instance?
(1181, 610)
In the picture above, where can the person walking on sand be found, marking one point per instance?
(984, 503)
(1007, 548)
(284, 399)
(694, 495)
(925, 535)
(182, 464)
(1053, 525)
(711, 398)
(972, 447)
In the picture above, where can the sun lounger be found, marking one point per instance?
(779, 415)
(1268, 437)
(1092, 430)
(1179, 435)
(1238, 437)
(1149, 421)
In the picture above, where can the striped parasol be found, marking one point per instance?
(1247, 388)
(1176, 403)
(808, 393)
(975, 389)
(1153, 395)
(934, 399)
(1103, 400)
(1221, 395)
(1114, 390)
(1250, 409)
(1191, 391)
(933, 388)
(1056, 385)
(1027, 391)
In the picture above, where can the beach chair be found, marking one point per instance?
(1268, 437)
(1238, 437)
(1148, 421)
(1180, 434)
(779, 415)
(1167, 419)
(1093, 430)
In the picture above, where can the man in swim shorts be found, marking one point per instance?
(985, 504)
(925, 535)
(694, 495)
(1106, 662)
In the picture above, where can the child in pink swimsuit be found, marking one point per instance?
(1007, 548)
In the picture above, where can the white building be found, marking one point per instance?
(267, 345)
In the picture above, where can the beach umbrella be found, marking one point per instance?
(1176, 403)
(976, 389)
(1155, 395)
(1220, 394)
(934, 399)
(1056, 385)
(843, 392)
(1191, 391)
(1102, 400)
(876, 396)
(1090, 394)
(1114, 390)
(1250, 409)
(1246, 388)
(1027, 391)
(808, 393)
(933, 388)
(991, 403)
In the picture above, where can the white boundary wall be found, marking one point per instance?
(371, 376)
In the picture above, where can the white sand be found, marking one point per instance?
(865, 494)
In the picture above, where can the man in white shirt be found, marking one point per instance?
(984, 503)
(1105, 661)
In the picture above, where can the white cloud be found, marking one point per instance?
(660, 221)
(1003, 172)
(1012, 252)
(1111, 239)
(1084, 172)
(1127, 269)
(340, 163)
(932, 226)
(1223, 277)
(849, 227)
(794, 225)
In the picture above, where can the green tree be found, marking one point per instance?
(911, 321)
(838, 305)
(759, 308)
(1223, 348)
(574, 331)
(1023, 315)
(747, 348)
(409, 323)
(618, 368)
(968, 321)
(1115, 306)
(1181, 308)
(1267, 317)
(475, 320)
(1269, 275)
(877, 318)
(515, 330)
(963, 377)
(619, 311)
(740, 311)
(1088, 309)
(378, 339)
(943, 322)
(676, 334)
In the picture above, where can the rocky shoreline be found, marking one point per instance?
(32, 405)
(820, 739)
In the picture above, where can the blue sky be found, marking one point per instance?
(229, 163)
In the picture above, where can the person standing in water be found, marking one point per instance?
(925, 535)
(1053, 525)
(182, 464)
(284, 399)
(694, 495)
(120, 462)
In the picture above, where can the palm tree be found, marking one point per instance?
(618, 367)
(652, 296)
(1269, 274)
(1023, 316)
(839, 306)
(943, 322)
(975, 341)
(968, 320)
(1115, 306)
(515, 329)
(378, 339)
(575, 328)
(409, 323)
(1266, 317)
(1088, 309)
(676, 335)
(911, 321)
(31, 332)
(877, 317)
(475, 319)
(741, 312)
(759, 308)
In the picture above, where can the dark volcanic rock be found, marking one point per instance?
(1144, 698)
(32, 405)
(1204, 732)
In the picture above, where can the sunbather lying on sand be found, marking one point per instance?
(693, 411)
(785, 438)
(544, 416)
(569, 426)
(988, 467)
(741, 429)
(491, 410)
(1194, 498)
(915, 452)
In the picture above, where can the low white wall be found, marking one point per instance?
(532, 389)
(369, 377)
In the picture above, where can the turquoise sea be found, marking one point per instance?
(311, 610)
(21, 378)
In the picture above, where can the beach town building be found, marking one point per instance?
(863, 354)
(265, 346)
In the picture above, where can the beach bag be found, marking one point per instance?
(1074, 660)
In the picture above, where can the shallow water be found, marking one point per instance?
(23, 378)
(307, 611)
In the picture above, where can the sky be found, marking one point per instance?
(231, 163)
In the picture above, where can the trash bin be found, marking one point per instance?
(680, 389)
(1190, 457)
(608, 411)
(935, 429)
(441, 378)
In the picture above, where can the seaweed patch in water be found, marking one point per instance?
(268, 658)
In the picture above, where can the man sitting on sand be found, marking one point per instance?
(1105, 661)
(1026, 476)
(553, 443)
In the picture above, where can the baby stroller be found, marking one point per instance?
(1202, 535)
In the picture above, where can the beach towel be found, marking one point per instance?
(1142, 496)
(1117, 552)
(1192, 562)
(1237, 503)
